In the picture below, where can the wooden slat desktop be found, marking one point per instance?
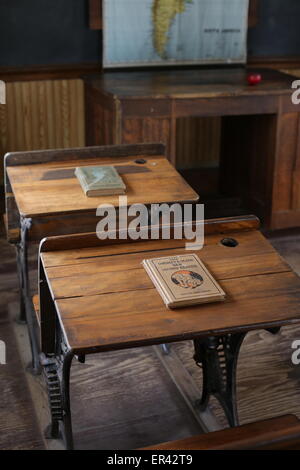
(104, 300)
(260, 127)
(42, 186)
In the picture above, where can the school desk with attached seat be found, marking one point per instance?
(44, 198)
(89, 304)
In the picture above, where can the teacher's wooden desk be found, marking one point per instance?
(260, 143)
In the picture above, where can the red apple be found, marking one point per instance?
(254, 78)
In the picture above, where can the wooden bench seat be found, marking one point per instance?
(282, 433)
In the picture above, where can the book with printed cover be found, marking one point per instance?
(183, 280)
(100, 180)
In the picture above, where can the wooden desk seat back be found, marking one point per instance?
(282, 433)
(88, 240)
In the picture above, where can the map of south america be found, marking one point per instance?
(139, 33)
(163, 15)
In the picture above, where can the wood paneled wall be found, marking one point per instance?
(50, 114)
(198, 142)
(41, 115)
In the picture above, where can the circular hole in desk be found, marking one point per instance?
(230, 242)
(140, 161)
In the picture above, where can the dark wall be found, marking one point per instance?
(36, 32)
(278, 31)
(42, 32)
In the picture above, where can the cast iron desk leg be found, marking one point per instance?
(22, 261)
(218, 358)
(57, 376)
(67, 418)
(21, 318)
(27, 314)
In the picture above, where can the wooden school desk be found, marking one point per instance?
(44, 197)
(260, 157)
(89, 304)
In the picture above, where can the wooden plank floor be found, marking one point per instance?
(125, 399)
(132, 402)
(19, 429)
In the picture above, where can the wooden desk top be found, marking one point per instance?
(51, 188)
(105, 300)
(189, 83)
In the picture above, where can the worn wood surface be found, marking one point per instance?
(134, 402)
(210, 227)
(70, 154)
(45, 189)
(207, 83)
(101, 307)
(253, 17)
(275, 434)
(95, 14)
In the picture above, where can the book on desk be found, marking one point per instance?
(183, 280)
(100, 180)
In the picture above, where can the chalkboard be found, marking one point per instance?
(42, 32)
(277, 32)
(50, 32)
